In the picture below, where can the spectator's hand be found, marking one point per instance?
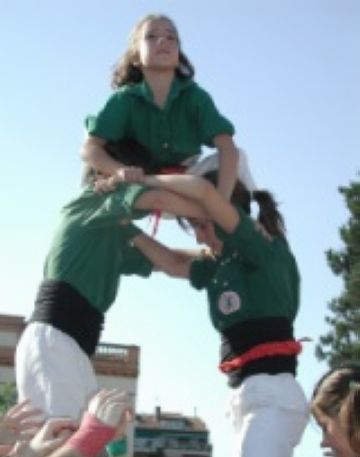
(112, 407)
(105, 420)
(20, 422)
(50, 437)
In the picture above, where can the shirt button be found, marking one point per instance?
(165, 145)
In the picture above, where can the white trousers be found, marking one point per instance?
(269, 414)
(53, 371)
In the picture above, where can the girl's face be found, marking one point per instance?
(158, 45)
(205, 234)
(334, 438)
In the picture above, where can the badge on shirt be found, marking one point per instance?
(229, 302)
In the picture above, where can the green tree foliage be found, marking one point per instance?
(341, 343)
(7, 396)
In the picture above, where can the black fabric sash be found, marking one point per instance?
(60, 305)
(238, 339)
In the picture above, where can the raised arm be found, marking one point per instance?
(172, 262)
(94, 154)
(105, 420)
(170, 202)
(217, 207)
(228, 164)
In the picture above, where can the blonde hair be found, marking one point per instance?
(337, 395)
(127, 70)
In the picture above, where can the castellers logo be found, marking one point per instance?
(229, 302)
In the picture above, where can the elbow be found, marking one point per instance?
(86, 151)
(236, 157)
(233, 156)
(90, 148)
(83, 153)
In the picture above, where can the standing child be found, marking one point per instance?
(157, 103)
(89, 254)
(252, 284)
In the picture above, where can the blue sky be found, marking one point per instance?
(286, 73)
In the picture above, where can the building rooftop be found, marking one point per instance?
(163, 420)
(109, 359)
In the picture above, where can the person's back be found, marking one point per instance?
(89, 252)
(252, 283)
(87, 235)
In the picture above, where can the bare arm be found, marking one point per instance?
(94, 154)
(170, 202)
(110, 411)
(228, 164)
(204, 193)
(174, 263)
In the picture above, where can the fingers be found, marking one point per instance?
(130, 174)
(112, 407)
(18, 407)
(29, 417)
(5, 449)
(20, 422)
(124, 174)
(104, 185)
(21, 411)
(56, 426)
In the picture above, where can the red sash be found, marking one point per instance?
(276, 348)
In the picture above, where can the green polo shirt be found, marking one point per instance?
(173, 133)
(91, 249)
(253, 278)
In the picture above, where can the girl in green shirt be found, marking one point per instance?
(89, 254)
(252, 283)
(157, 103)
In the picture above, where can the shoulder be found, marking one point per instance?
(198, 91)
(123, 92)
(127, 91)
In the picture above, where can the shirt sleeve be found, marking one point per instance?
(252, 245)
(211, 122)
(202, 271)
(134, 261)
(110, 208)
(110, 122)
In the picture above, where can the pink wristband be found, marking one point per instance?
(92, 436)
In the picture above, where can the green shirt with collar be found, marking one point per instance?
(173, 133)
(254, 278)
(91, 248)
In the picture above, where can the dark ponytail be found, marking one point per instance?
(269, 216)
